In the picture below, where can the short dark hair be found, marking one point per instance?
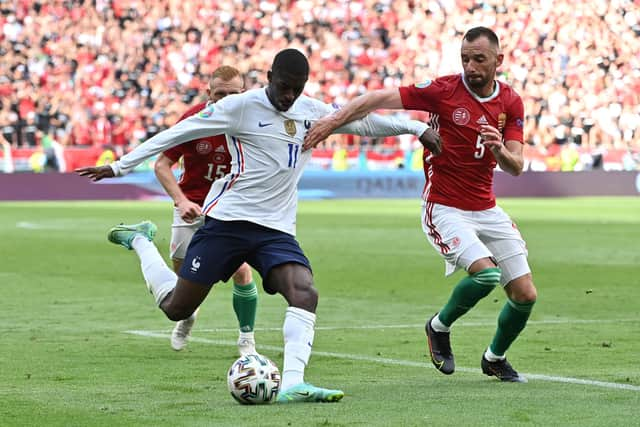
(290, 61)
(476, 32)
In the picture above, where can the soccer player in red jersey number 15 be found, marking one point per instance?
(203, 161)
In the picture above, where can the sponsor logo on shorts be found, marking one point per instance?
(195, 264)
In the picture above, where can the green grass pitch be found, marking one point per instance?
(81, 343)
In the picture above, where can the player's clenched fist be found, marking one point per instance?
(430, 140)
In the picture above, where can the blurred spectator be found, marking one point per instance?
(116, 72)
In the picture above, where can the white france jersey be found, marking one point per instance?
(266, 151)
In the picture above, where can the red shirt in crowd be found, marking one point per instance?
(204, 161)
(101, 131)
(462, 175)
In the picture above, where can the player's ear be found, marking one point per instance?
(499, 59)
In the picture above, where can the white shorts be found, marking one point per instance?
(463, 237)
(181, 234)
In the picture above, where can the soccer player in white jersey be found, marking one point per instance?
(251, 212)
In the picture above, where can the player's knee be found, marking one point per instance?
(177, 264)
(305, 297)
(176, 313)
(243, 275)
(176, 316)
(524, 292)
(528, 295)
(302, 294)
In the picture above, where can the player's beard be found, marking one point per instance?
(477, 82)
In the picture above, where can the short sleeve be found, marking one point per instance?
(513, 128)
(423, 96)
(174, 153)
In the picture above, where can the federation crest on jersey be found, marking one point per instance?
(461, 116)
(423, 84)
(206, 112)
(290, 127)
(203, 147)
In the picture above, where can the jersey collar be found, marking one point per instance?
(495, 93)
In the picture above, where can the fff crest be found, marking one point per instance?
(290, 127)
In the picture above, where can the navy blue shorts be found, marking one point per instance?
(218, 248)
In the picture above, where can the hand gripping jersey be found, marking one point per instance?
(266, 153)
(462, 175)
(204, 161)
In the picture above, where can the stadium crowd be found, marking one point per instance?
(113, 73)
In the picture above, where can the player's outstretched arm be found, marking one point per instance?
(194, 127)
(378, 125)
(354, 110)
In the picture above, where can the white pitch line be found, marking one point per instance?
(28, 225)
(387, 361)
(420, 326)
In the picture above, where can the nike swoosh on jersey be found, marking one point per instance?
(260, 124)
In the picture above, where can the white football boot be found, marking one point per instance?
(182, 331)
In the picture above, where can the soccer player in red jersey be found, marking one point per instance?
(203, 161)
(480, 121)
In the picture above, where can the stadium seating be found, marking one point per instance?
(127, 69)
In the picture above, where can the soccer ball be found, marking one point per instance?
(253, 380)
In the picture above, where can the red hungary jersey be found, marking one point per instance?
(462, 175)
(204, 161)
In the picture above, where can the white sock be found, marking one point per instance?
(298, 331)
(246, 336)
(438, 326)
(492, 357)
(160, 279)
